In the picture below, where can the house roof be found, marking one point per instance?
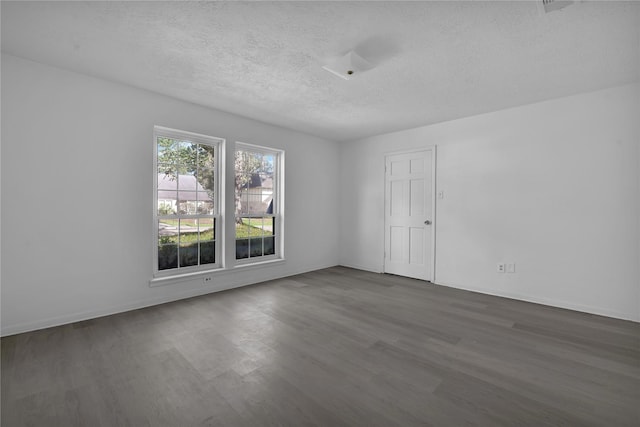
(189, 186)
(258, 181)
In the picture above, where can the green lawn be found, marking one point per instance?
(187, 238)
(249, 228)
(256, 222)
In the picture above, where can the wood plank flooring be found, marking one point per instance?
(335, 347)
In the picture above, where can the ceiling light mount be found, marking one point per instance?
(348, 65)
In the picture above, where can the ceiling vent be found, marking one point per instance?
(547, 6)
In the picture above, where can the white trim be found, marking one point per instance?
(183, 134)
(182, 277)
(363, 268)
(434, 218)
(201, 274)
(280, 203)
(433, 149)
(565, 305)
(256, 259)
(259, 148)
(263, 262)
(148, 302)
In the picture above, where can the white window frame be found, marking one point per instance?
(218, 145)
(278, 205)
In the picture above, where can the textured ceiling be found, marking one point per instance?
(433, 61)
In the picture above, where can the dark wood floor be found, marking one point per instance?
(336, 347)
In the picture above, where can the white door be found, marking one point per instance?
(409, 214)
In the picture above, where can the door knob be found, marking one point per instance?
(427, 222)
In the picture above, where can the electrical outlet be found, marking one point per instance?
(511, 268)
(441, 194)
(500, 267)
(207, 279)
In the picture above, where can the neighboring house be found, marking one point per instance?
(182, 194)
(257, 196)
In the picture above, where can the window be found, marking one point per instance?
(186, 208)
(258, 203)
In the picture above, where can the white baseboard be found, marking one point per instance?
(549, 302)
(135, 305)
(92, 314)
(360, 267)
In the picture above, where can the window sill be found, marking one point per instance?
(259, 264)
(201, 275)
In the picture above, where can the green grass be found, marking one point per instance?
(249, 228)
(242, 231)
(254, 229)
(187, 238)
(255, 222)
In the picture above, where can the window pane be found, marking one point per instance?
(255, 247)
(187, 181)
(167, 231)
(269, 246)
(242, 248)
(205, 203)
(254, 237)
(253, 202)
(204, 208)
(167, 257)
(271, 225)
(247, 166)
(205, 157)
(207, 252)
(187, 202)
(166, 149)
(261, 226)
(206, 180)
(242, 229)
(167, 177)
(188, 242)
(166, 202)
(188, 237)
(187, 152)
(188, 254)
(188, 230)
(245, 201)
(254, 175)
(206, 229)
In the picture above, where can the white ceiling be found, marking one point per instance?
(434, 61)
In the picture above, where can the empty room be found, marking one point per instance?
(344, 213)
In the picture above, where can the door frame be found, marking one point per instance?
(434, 152)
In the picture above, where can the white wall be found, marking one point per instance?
(552, 186)
(77, 174)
